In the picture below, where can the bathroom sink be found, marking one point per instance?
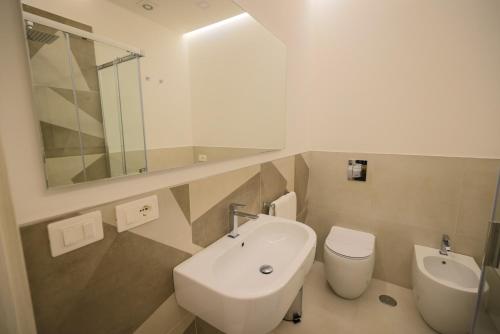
(445, 289)
(224, 285)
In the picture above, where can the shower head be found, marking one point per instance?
(39, 36)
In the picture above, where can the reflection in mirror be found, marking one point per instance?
(123, 87)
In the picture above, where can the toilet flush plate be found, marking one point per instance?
(72, 233)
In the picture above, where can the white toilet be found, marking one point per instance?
(349, 258)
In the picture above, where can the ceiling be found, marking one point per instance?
(183, 15)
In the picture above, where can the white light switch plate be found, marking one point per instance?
(72, 233)
(135, 213)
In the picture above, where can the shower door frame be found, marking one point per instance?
(491, 254)
(81, 33)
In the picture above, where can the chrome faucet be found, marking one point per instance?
(445, 245)
(234, 213)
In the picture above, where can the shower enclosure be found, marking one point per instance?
(487, 317)
(88, 99)
(120, 101)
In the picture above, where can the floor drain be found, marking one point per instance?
(388, 300)
(266, 269)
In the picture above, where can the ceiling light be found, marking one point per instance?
(203, 4)
(217, 24)
(147, 6)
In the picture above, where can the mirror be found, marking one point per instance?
(124, 87)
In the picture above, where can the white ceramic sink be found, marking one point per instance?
(445, 289)
(223, 285)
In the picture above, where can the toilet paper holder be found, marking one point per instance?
(356, 170)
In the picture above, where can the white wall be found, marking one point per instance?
(33, 202)
(406, 76)
(166, 105)
(16, 313)
(237, 84)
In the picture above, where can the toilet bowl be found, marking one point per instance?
(349, 258)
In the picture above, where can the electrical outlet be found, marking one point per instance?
(202, 157)
(135, 213)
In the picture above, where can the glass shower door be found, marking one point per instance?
(88, 100)
(56, 105)
(487, 317)
(121, 99)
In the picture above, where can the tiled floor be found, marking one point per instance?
(325, 312)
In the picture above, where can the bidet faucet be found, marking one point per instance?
(445, 245)
(234, 213)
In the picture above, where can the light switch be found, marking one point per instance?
(135, 213)
(132, 218)
(70, 234)
(88, 230)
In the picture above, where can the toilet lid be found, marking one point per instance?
(350, 243)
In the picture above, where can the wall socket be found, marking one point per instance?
(135, 213)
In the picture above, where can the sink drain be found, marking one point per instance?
(266, 269)
(388, 300)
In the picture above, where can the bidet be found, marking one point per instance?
(445, 288)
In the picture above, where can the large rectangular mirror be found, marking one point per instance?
(123, 87)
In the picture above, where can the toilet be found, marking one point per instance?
(349, 258)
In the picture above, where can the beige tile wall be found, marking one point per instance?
(406, 200)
